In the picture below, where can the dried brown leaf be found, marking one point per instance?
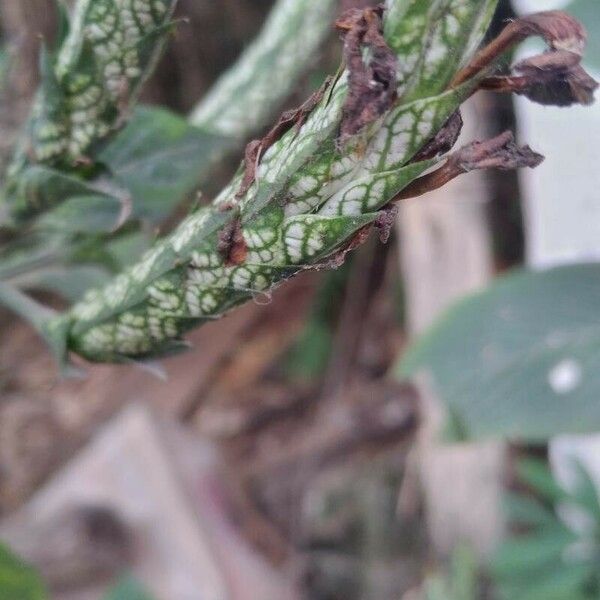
(444, 140)
(372, 80)
(555, 77)
(500, 152)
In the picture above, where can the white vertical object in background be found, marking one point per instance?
(563, 216)
(445, 254)
(563, 194)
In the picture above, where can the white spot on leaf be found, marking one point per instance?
(565, 376)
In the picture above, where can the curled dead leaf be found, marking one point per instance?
(555, 77)
(444, 140)
(501, 152)
(372, 80)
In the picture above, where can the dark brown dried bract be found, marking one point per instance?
(232, 246)
(560, 30)
(372, 82)
(444, 140)
(555, 77)
(500, 152)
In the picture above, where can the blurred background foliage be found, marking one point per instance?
(517, 360)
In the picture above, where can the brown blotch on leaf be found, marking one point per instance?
(292, 118)
(500, 152)
(232, 246)
(372, 80)
(555, 77)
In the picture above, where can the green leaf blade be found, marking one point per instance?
(159, 158)
(519, 360)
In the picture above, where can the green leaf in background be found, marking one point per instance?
(536, 474)
(29, 252)
(27, 308)
(311, 352)
(124, 249)
(69, 282)
(159, 158)
(586, 493)
(128, 589)
(4, 65)
(309, 357)
(64, 24)
(544, 559)
(519, 360)
(523, 557)
(561, 583)
(588, 12)
(89, 214)
(461, 582)
(40, 318)
(527, 512)
(18, 581)
(43, 188)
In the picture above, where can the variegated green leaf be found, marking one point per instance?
(158, 158)
(76, 183)
(310, 197)
(424, 33)
(111, 48)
